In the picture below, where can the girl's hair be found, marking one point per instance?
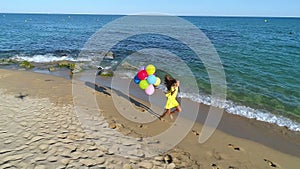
(169, 82)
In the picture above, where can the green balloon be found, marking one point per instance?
(143, 84)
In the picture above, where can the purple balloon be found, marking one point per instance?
(142, 68)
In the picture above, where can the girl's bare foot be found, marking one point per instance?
(162, 119)
(171, 116)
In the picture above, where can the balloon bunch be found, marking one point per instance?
(146, 79)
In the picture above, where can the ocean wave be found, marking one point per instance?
(245, 111)
(48, 58)
(261, 116)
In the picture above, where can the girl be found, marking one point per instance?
(172, 86)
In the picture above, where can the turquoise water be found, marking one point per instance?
(261, 56)
(261, 60)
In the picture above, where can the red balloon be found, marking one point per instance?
(142, 75)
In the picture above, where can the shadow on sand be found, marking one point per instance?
(108, 90)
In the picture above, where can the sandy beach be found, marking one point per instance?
(44, 126)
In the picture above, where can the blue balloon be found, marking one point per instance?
(136, 80)
(151, 79)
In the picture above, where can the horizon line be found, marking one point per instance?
(53, 13)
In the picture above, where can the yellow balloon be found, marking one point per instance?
(150, 69)
(158, 81)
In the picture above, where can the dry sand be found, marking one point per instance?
(41, 127)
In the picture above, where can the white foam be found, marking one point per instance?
(261, 116)
(47, 58)
(248, 112)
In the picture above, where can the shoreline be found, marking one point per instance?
(290, 121)
(234, 125)
(236, 142)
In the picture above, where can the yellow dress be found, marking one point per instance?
(171, 99)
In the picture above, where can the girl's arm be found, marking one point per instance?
(177, 85)
(173, 92)
(170, 92)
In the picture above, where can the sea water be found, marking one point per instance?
(260, 56)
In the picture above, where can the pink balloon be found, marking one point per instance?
(142, 75)
(150, 90)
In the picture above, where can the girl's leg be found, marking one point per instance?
(166, 112)
(178, 109)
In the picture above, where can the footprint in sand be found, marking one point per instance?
(235, 148)
(270, 163)
(214, 166)
(139, 108)
(195, 132)
(49, 80)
